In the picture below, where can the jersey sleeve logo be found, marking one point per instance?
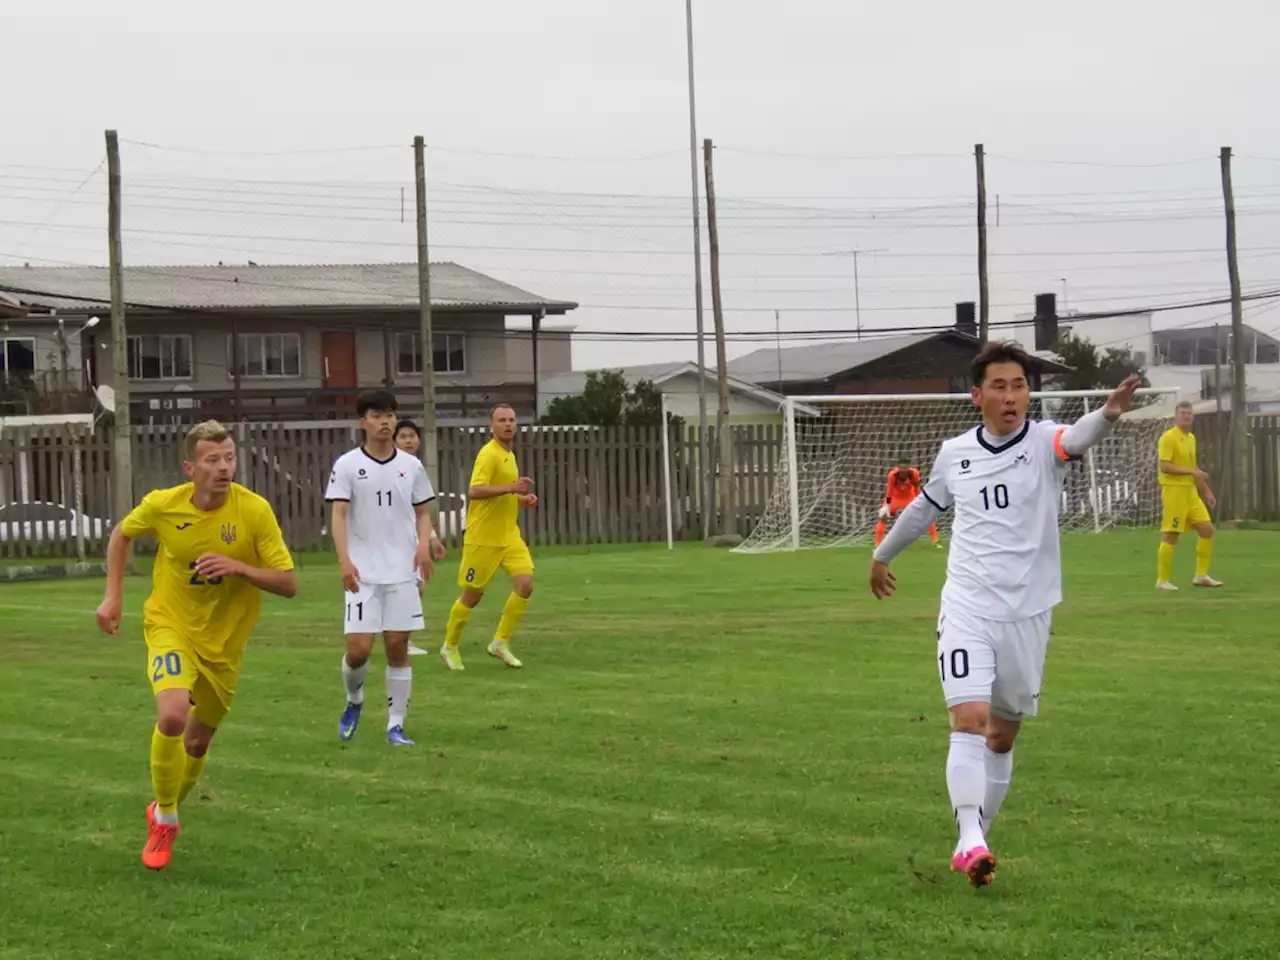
(228, 533)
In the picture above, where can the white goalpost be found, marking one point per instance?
(830, 480)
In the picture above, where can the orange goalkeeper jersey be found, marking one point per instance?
(902, 486)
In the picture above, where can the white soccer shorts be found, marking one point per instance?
(378, 607)
(993, 661)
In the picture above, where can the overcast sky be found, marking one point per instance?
(559, 148)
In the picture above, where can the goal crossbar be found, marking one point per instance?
(830, 480)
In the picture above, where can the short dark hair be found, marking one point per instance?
(408, 425)
(379, 401)
(1185, 405)
(1004, 351)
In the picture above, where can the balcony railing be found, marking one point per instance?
(455, 403)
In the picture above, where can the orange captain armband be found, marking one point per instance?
(1059, 449)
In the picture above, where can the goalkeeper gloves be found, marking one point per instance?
(884, 511)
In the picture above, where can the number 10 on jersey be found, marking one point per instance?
(997, 496)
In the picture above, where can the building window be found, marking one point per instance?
(17, 358)
(448, 356)
(270, 355)
(164, 356)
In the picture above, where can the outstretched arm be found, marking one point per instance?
(913, 523)
(1090, 429)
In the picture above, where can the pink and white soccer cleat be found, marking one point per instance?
(978, 864)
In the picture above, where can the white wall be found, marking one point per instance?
(682, 399)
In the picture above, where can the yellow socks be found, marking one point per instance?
(1164, 563)
(191, 775)
(168, 766)
(512, 614)
(1204, 552)
(458, 617)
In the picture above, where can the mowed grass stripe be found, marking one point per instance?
(709, 755)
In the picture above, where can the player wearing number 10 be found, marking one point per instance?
(219, 547)
(1004, 577)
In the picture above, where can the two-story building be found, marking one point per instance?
(279, 343)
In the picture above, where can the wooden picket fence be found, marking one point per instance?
(595, 485)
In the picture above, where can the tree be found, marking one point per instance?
(1094, 368)
(607, 401)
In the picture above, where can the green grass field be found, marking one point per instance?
(707, 756)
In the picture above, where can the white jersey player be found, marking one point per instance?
(1004, 481)
(382, 532)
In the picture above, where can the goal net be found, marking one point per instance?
(830, 482)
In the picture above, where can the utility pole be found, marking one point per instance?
(122, 440)
(704, 452)
(64, 351)
(857, 299)
(984, 301)
(1240, 471)
(426, 341)
(723, 432)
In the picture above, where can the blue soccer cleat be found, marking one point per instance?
(397, 738)
(350, 720)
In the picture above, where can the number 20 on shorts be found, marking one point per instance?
(170, 663)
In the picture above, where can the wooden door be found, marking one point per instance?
(338, 369)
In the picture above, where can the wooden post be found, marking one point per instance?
(723, 433)
(1219, 473)
(536, 323)
(1239, 433)
(430, 438)
(122, 439)
(984, 301)
(237, 359)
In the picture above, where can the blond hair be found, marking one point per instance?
(210, 430)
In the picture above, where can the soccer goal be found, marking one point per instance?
(831, 479)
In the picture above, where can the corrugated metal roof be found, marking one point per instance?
(267, 287)
(817, 361)
(822, 361)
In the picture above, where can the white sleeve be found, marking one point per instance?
(910, 527)
(935, 489)
(339, 483)
(1071, 443)
(422, 489)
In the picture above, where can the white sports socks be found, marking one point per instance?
(399, 685)
(999, 773)
(353, 679)
(967, 784)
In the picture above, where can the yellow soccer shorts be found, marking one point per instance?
(174, 664)
(1183, 509)
(480, 563)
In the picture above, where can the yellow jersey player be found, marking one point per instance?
(492, 541)
(219, 547)
(1187, 500)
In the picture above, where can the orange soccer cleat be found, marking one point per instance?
(160, 837)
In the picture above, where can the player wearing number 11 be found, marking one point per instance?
(385, 542)
(1004, 577)
(219, 547)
